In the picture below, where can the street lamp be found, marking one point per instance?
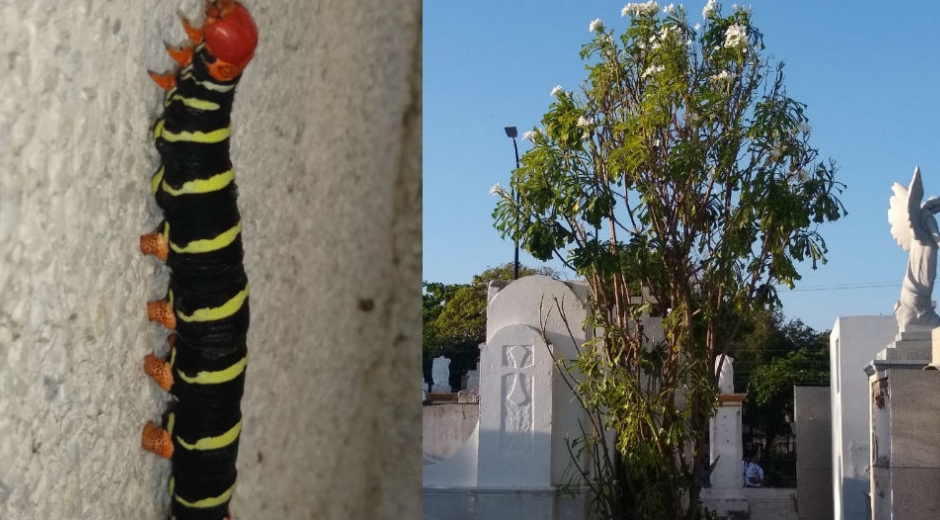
(512, 133)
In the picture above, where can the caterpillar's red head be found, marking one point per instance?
(231, 37)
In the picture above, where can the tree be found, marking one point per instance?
(455, 318)
(682, 167)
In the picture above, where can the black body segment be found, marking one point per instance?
(208, 290)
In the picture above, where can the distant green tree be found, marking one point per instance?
(770, 358)
(455, 318)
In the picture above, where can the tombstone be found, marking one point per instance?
(440, 372)
(516, 410)
(473, 381)
(514, 464)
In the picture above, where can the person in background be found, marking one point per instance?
(752, 473)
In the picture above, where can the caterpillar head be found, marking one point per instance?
(231, 37)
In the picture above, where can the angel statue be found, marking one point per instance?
(914, 227)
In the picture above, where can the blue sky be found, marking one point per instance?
(868, 72)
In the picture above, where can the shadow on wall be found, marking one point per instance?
(446, 427)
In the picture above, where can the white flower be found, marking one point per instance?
(736, 36)
(529, 136)
(557, 90)
(805, 128)
(697, 27)
(709, 8)
(596, 25)
(496, 189)
(585, 122)
(655, 142)
(669, 9)
(652, 69)
(723, 75)
(636, 9)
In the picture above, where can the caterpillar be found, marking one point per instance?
(200, 240)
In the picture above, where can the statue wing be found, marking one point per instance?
(904, 212)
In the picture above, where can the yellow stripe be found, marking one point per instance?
(217, 313)
(215, 136)
(208, 502)
(218, 376)
(213, 443)
(208, 85)
(167, 99)
(158, 128)
(170, 423)
(198, 104)
(208, 245)
(156, 180)
(214, 183)
(172, 485)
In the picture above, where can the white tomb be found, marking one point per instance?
(514, 463)
(853, 343)
(440, 373)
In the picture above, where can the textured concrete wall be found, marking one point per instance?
(812, 412)
(445, 428)
(326, 146)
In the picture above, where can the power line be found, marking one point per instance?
(845, 287)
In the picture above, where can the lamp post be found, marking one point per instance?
(512, 133)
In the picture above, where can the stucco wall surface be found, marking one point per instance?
(326, 147)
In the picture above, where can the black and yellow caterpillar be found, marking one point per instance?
(201, 242)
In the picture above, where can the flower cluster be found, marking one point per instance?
(721, 76)
(585, 122)
(709, 8)
(529, 136)
(736, 36)
(659, 38)
(637, 9)
(497, 189)
(557, 91)
(652, 69)
(596, 25)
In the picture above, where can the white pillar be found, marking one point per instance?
(725, 442)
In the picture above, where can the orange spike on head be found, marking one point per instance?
(156, 440)
(161, 312)
(159, 370)
(181, 55)
(166, 81)
(194, 33)
(231, 38)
